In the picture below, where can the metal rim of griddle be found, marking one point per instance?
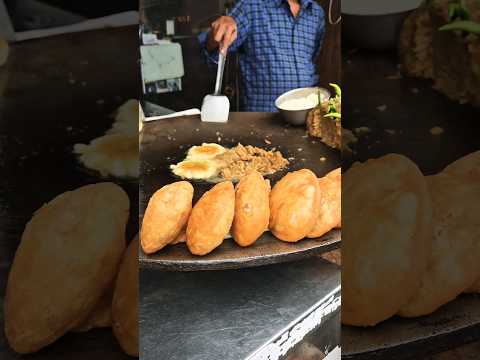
(329, 242)
(427, 346)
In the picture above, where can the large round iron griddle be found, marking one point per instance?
(165, 142)
(267, 250)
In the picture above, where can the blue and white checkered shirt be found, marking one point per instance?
(277, 52)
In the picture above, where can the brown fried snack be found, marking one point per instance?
(330, 215)
(468, 168)
(101, 316)
(125, 301)
(166, 214)
(181, 238)
(211, 219)
(453, 265)
(68, 256)
(475, 288)
(252, 209)
(294, 205)
(386, 238)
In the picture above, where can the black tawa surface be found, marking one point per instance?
(166, 142)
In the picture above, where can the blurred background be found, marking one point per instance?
(20, 16)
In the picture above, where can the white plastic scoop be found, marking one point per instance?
(216, 107)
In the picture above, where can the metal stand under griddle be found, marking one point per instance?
(253, 314)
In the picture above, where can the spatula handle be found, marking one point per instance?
(220, 69)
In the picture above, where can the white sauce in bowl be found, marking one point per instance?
(302, 103)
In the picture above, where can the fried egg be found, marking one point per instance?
(114, 154)
(195, 169)
(205, 152)
(141, 118)
(126, 118)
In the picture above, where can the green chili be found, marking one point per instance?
(338, 91)
(464, 25)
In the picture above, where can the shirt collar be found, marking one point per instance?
(304, 3)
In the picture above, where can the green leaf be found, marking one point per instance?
(462, 25)
(452, 11)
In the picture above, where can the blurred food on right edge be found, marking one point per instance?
(440, 41)
(414, 247)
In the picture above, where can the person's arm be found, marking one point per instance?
(230, 32)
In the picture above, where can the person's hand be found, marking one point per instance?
(223, 34)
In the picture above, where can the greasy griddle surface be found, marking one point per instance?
(412, 108)
(166, 142)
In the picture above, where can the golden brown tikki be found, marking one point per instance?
(68, 256)
(468, 169)
(386, 238)
(211, 219)
(181, 238)
(475, 288)
(252, 209)
(125, 301)
(101, 316)
(294, 205)
(453, 265)
(330, 215)
(166, 214)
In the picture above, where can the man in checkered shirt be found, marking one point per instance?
(277, 41)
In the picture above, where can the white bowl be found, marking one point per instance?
(299, 117)
(378, 7)
(375, 24)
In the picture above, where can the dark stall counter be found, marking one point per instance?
(238, 314)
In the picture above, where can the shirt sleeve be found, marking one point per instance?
(241, 14)
(320, 36)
